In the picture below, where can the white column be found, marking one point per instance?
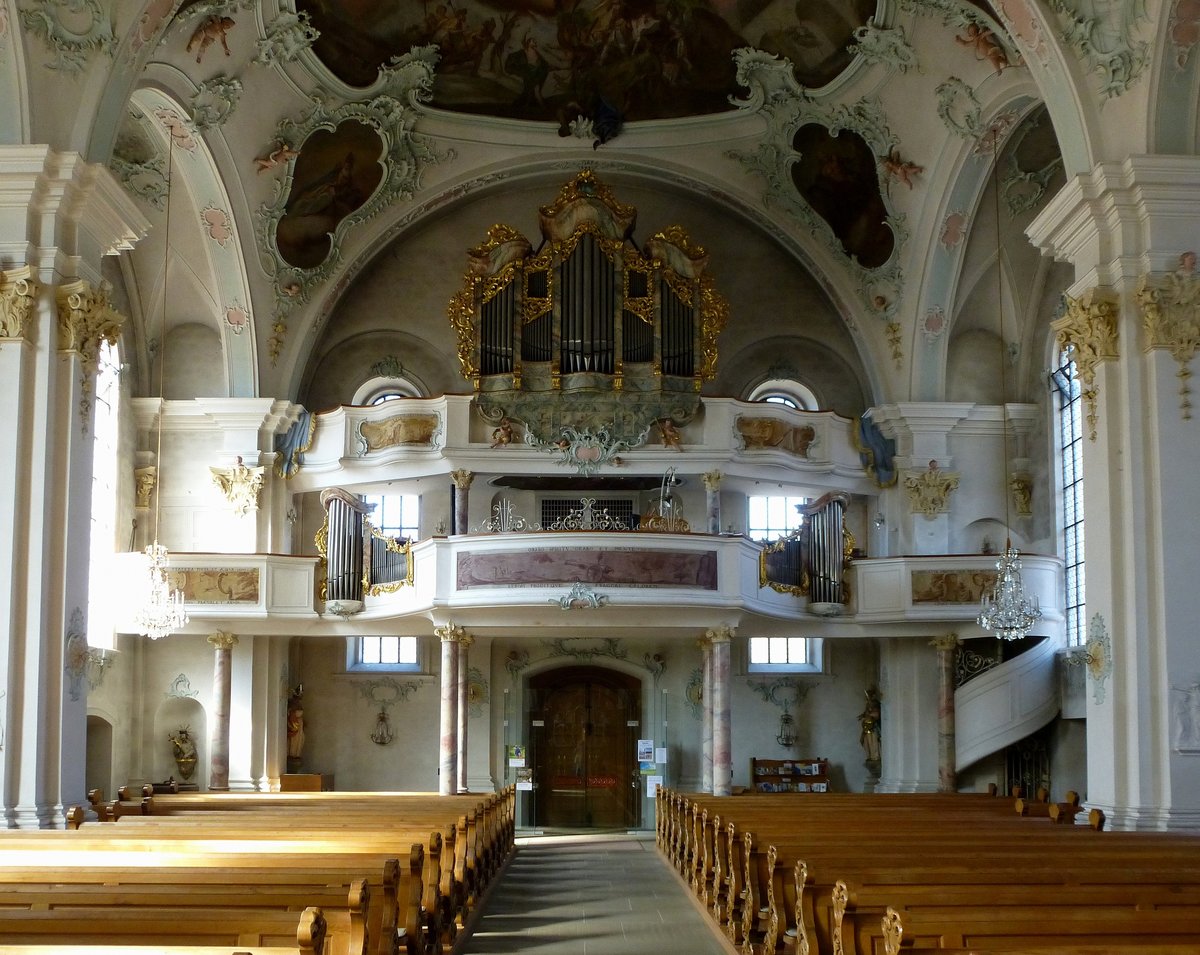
(462, 479)
(909, 694)
(722, 745)
(448, 749)
(1126, 227)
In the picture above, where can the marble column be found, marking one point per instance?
(712, 500)
(722, 748)
(464, 645)
(460, 519)
(947, 647)
(706, 700)
(218, 748)
(448, 752)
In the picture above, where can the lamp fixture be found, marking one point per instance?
(1006, 609)
(787, 730)
(163, 612)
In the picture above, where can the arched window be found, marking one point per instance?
(785, 391)
(377, 390)
(1070, 492)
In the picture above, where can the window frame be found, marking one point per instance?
(813, 664)
(1069, 477)
(356, 664)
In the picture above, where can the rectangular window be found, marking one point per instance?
(390, 653)
(770, 518)
(1070, 488)
(783, 655)
(396, 515)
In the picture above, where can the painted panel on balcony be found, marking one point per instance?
(565, 565)
(216, 585)
(950, 586)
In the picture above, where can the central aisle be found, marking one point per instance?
(590, 895)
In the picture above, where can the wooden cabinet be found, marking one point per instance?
(789, 775)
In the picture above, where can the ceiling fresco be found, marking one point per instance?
(558, 59)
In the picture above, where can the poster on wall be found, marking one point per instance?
(645, 751)
(525, 779)
(516, 755)
(652, 784)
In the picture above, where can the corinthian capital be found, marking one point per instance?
(462, 478)
(1089, 329)
(85, 318)
(1170, 307)
(17, 292)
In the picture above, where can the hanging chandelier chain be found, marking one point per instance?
(1006, 610)
(163, 613)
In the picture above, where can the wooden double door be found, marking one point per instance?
(584, 726)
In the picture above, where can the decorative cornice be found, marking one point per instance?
(1089, 329)
(85, 318)
(18, 289)
(1170, 309)
(929, 490)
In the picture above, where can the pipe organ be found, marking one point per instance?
(812, 560)
(359, 558)
(587, 312)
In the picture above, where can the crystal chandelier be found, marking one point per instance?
(163, 611)
(1007, 611)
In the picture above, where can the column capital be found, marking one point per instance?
(85, 319)
(1170, 313)
(144, 481)
(929, 490)
(946, 641)
(241, 485)
(1089, 329)
(462, 478)
(449, 633)
(712, 480)
(18, 289)
(721, 634)
(222, 640)
(466, 641)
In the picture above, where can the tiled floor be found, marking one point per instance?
(591, 895)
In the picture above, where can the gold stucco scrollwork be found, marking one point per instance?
(929, 490)
(17, 292)
(461, 313)
(85, 318)
(1089, 329)
(1170, 309)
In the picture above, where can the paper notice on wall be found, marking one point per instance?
(524, 787)
(645, 750)
(660, 754)
(652, 784)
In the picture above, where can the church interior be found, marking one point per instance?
(391, 408)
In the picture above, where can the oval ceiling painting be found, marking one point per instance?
(557, 59)
(336, 172)
(838, 177)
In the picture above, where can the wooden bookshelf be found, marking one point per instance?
(789, 775)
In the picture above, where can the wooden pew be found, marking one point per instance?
(767, 897)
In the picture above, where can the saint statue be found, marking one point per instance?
(295, 727)
(184, 748)
(869, 721)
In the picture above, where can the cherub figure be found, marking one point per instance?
(671, 436)
(280, 154)
(502, 435)
(211, 30)
(985, 45)
(900, 169)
